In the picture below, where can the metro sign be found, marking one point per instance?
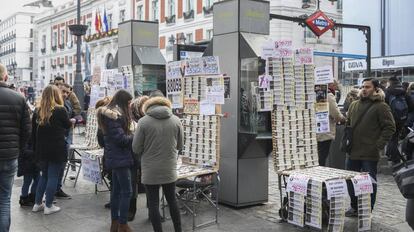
(319, 23)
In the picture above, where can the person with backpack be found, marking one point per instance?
(397, 99)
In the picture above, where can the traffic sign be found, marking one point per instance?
(319, 23)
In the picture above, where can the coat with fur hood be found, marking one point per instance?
(117, 149)
(158, 138)
(375, 128)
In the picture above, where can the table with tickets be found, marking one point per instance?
(310, 195)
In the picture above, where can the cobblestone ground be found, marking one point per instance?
(388, 215)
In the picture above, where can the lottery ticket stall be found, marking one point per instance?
(138, 49)
(196, 89)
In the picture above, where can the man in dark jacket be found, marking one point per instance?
(396, 92)
(375, 128)
(15, 130)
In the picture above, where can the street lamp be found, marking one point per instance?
(78, 30)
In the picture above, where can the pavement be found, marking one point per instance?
(85, 212)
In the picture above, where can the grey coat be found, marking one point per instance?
(157, 140)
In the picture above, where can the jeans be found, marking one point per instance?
(8, 169)
(48, 182)
(121, 194)
(362, 166)
(27, 181)
(153, 197)
(60, 178)
(323, 151)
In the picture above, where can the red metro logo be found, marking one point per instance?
(319, 23)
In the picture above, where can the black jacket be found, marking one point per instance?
(50, 138)
(14, 123)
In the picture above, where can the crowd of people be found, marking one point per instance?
(141, 139)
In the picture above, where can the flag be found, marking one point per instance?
(100, 22)
(105, 20)
(97, 23)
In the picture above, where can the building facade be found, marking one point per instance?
(56, 47)
(16, 47)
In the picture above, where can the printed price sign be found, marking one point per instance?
(298, 183)
(362, 184)
(304, 56)
(283, 48)
(336, 188)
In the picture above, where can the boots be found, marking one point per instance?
(26, 201)
(124, 228)
(132, 209)
(114, 226)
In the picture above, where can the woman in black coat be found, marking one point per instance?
(52, 122)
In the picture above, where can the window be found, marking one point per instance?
(209, 34)
(31, 62)
(189, 38)
(309, 33)
(62, 37)
(140, 15)
(109, 21)
(122, 15)
(31, 46)
(31, 19)
(171, 7)
(154, 10)
(89, 32)
(189, 5)
(54, 39)
(31, 33)
(339, 5)
(340, 35)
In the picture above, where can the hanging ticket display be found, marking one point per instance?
(296, 209)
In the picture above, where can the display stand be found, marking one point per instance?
(196, 89)
(310, 195)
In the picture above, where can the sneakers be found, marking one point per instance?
(51, 209)
(37, 208)
(351, 213)
(61, 194)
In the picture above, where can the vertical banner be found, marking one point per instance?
(322, 109)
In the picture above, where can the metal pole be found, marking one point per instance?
(78, 85)
(368, 36)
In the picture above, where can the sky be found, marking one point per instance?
(16, 5)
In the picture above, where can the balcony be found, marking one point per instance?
(170, 19)
(61, 65)
(54, 48)
(42, 68)
(53, 66)
(189, 15)
(43, 50)
(208, 10)
(70, 64)
(61, 46)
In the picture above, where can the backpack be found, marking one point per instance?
(399, 107)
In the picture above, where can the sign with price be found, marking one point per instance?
(90, 169)
(362, 184)
(298, 183)
(303, 56)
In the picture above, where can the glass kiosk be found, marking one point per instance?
(138, 48)
(240, 29)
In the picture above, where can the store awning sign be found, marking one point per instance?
(319, 23)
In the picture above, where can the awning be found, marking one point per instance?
(140, 56)
(253, 44)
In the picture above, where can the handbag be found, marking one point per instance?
(404, 177)
(346, 140)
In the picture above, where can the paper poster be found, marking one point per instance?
(362, 184)
(283, 48)
(268, 50)
(264, 81)
(297, 183)
(96, 76)
(226, 87)
(191, 106)
(215, 90)
(91, 169)
(211, 65)
(323, 75)
(106, 75)
(207, 108)
(303, 56)
(173, 70)
(128, 78)
(336, 188)
(194, 67)
(322, 122)
(176, 100)
(97, 93)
